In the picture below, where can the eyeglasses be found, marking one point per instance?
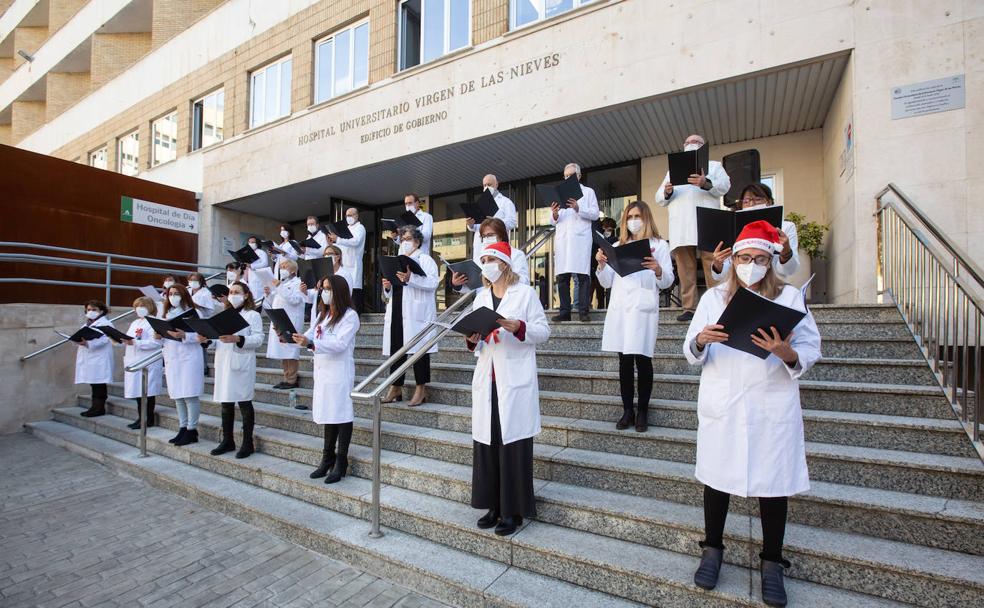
(760, 260)
(754, 199)
(491, 236)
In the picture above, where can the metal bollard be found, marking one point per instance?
(143, 412)
(377, 425)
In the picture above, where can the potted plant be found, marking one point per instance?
(811, 255)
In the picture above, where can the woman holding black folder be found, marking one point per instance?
(94, 359)
(750, 425)
(287, 251)
(332, 340)
(140, 347)
(632, 321)
(412, 299)
(235, 371)
(286, 294)
(505, 396)
(184, 367)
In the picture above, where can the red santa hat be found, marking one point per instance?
(500, 250)
(758, 235)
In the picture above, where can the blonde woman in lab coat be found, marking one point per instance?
(140, 347)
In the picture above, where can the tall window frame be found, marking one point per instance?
(414, 17)
(128, 153)
(354, 39)
(164, 139)
(266, 103)
(205, 130)
(99, 158)
(527, 12)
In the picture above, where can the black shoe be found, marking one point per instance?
(686, 316)
(278, 385)
(190, 436)
(584, 317)
(773, 590)
(508, 525)
(290, 385)
(98, 408)
(642, 421)
(222, 448)
(181, 433)
(338, 471)
(301, 407)
(560, 318)
(245, 450)
(707, 573)
(134, 425)
(627, 420)
(327, 462)
(488, 520)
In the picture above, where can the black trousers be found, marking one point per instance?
(422, 366)
(582, 283)
(99, 391)
(627, 365)
(773, 511)
(502, 475)
(357, 303)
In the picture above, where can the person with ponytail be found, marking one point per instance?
(332, 340)
(140, 347)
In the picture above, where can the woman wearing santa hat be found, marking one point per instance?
(505, 397)
(749, 422)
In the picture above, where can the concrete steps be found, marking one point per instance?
(594, 541)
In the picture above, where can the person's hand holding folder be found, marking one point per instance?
(773, 342)
(711, 334)
(510, 325)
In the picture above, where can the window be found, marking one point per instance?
(774, 181)
(270, 92)
(207, 115)
(164, 130)
(431, 28)
(128, 154)
(522, 12)
(341, 62)
(97, 158)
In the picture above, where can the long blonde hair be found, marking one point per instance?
(770, 286)
(649, 229)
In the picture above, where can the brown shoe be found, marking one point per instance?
(395, 394)
(419, 396)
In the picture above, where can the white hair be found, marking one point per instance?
(576, 167)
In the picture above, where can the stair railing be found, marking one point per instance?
(436, 330)
(938, 290)
(142, 366)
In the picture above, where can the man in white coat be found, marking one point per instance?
(411, 203)
(506, 213)
(315, 232)
(572, 247)
(682, 201)
(353, 250)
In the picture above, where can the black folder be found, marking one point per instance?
(390, 264)
(277, 248)
(409, 218)
(340, 229)
(468, 268)
(569, 188)
(717, 225)
(747, 313)
(218, 290)
(311, 242)
(85, 333)
(391, 225)
(312, 271)
(624, 259)
(162, 326)
(114, 334)
(226, 323)
(244, 255)
(482, 208)
(684, 164)
(282, 324)
(481, 321)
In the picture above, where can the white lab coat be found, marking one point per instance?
(253, 281)
(235, 367)
(204, 302)
(94, 364)
(506, 213)
(334, 369)
(314, 294)
(184, 364)
(572, 241)
(782, 270)
(352, 251)
(514, 363)
(286, 295)
(144, 345)
(311, 253)
(685, 200)
(426, 228)
(632, 321)
(288, 254)
(419, 305)
(749, 421)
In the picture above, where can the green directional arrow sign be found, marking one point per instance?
(137, 211)
(126, 209)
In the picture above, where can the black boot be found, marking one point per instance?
(773, 589)
(181, 433)
(642, 420)
(150, 414)
(98, 408)
(190, 436)
(627, 419)
(341, 462)
(327, 453)
(508, 525)
(489, 520)
(246, 408)
(228, 443)
(706, 576)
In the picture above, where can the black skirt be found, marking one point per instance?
(502, 475)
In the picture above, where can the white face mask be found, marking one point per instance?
(634, 225)
(253, 245)
(750, 273)
(410, 208)
(168, 283)
(142, 311)
(491, 190)
(491, 271)
(488, 240)
(406, 247)
(236, 299)
(312, 228)
(691, 147)
(608, 233)
(92, 315)
(351, 220)
(231, 276)
(286, 273)
(194, 284)
(175, 300)
(326, 297)
(284, 234)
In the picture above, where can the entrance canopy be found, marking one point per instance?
(787, 99)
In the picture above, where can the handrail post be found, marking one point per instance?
(143, 412)
(377, 441)
(109, 272)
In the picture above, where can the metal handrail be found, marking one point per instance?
(531, 246)
(141, 367)
(939, 297)
(100, 254)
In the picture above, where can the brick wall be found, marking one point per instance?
(28, 39)
(490, 19)
(113, 53)
(6, 68)
(64, 89)
(26, 117)
(5, 135)
(60, 11)
(171, 17)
